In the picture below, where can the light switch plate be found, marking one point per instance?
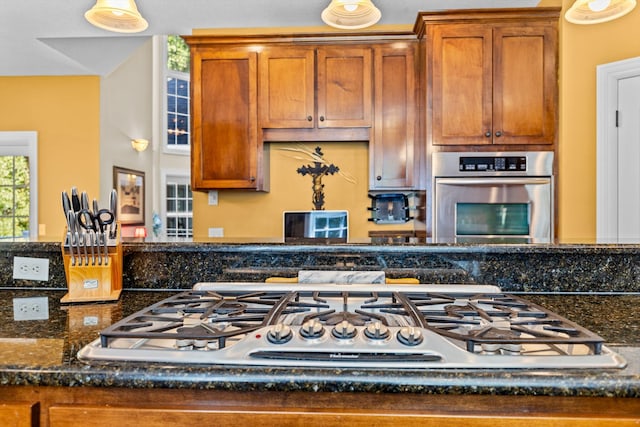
(213, 198)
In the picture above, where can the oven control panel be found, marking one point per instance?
(493, 164)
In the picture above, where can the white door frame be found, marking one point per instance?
(607, 145)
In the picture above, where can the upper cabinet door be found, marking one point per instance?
(493, 83)
(461, 91)
(524, 84)
(393, 149)
(299, 90)
(224, 147)
(344, 87)
(287, 86)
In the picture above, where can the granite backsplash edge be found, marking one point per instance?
(514, 268)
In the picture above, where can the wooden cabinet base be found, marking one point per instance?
(18, 414)
(89, 407)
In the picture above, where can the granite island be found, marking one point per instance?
(595, 286)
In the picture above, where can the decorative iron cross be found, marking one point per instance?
(317, 171)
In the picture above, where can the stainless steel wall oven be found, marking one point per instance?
(496, 197)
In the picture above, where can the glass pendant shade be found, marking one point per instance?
(351, 14)
(121, 16)
(598, 11)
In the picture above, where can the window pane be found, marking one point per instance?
(177, 54)
(171, 104)
(171, 205)
(171, 190)
(182, 139)
(182, 124)
(182, 105)
(22, 202)
(171, 85)
(183, 88)
(171, 121)
(14, 197)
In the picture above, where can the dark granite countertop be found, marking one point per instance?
(43, 353)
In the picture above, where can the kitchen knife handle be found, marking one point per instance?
(75, 199)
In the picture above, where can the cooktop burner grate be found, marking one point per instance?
(361, 325)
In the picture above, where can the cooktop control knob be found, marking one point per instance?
(410, 336)
(344, 330)
(376, 331)
(279, 334)
(312, 329)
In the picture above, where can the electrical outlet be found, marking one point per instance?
(216, 232)
(31, 268)
(33, 308)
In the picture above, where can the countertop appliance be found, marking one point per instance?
(496, 197)
(389, 208)
(354, 325)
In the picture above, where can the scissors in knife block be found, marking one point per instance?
(97, 222)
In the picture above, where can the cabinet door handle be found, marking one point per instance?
(322, 118)
(252, 179)
(309, 118)
(487, 134)
(378, 178)
(498, 134)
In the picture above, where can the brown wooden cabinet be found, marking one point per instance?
(19, 414)
(394, 151)
(109, 406)
(492, 77)
(315, 87)
(225, 149)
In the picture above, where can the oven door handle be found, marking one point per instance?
(493, 181)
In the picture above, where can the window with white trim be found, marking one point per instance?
(178, 134)
(18, 186)
(179, 207)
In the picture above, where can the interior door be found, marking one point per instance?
(629, 159)
(618, 154)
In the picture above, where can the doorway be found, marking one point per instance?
(618, 152)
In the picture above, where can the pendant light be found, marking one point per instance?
(351, 14)
(121, 16)
(598, 11)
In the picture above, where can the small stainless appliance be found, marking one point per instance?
(500, 197)
(389, 208)
(351, 325)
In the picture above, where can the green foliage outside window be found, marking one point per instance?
(14, 197)
(177, 54)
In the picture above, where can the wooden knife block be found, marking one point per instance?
(88, 283)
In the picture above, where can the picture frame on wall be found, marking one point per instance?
(129, 185)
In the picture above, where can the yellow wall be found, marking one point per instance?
(249, 214)
(582, 48)
(65, 113)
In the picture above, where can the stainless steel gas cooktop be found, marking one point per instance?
(351, 325)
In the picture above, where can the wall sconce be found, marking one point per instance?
(121, 16)
(351, 14)
(598, 11)
(139, 144)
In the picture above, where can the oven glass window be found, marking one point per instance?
(500, 219)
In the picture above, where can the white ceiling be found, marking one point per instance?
(51, 37)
